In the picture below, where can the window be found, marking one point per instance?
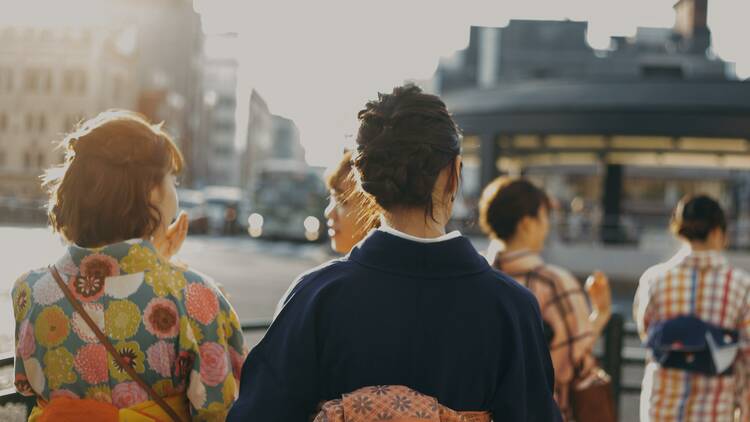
(6, 80)
(26, 160)
(36, 122)
(118, 86)
(74, 81)
(31, 80)
(2, 158)
(81, 85)
(68, 81)
(40, 160)
(47, 80)
(3, 122)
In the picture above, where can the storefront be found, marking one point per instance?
(618, 153)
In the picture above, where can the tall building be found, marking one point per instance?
(169, 67)
(220, 158)
(270, 138)
(50, 78)
(285, 140)
(259, 139)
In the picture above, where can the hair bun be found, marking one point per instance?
(405, 139)
(696, 216)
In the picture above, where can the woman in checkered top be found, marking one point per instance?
(514, 213)
(693, 312)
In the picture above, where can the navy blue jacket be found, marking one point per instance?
(434, 317)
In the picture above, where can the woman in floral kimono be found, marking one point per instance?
(114, 290)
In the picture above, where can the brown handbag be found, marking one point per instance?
(111, 349)
(592, 398)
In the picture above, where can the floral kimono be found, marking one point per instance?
(172, 325)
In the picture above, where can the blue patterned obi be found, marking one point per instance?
(692, 345)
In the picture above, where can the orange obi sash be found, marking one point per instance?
(66, 409)
(392, 403)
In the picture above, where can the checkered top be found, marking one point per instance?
(565, 309)
(704, 285)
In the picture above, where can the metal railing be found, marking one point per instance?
(613, 357)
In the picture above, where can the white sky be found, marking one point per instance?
(318, 62)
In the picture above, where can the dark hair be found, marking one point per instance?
(696, 216)
(101, 193)
(505, 202)
(405, 139)
(341, 180)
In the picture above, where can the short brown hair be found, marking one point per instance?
(505, 202)
(695, 216)
(101, 193)
(341, 180)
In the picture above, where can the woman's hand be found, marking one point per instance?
(597, 287)
(168, 242)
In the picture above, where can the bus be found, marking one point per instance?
(287, 202)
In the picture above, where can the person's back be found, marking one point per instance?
(514, 213)
(678, 304)
(165, 321)
(113, 330)
(410, 305)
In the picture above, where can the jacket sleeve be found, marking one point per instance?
(279, 380)
(526, 383)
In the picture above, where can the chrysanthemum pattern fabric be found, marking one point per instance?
(389, 403)
(172, 325)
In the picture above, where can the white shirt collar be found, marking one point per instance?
(385, 227)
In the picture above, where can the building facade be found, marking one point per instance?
(259, 140)
(169, 67)
(219, 158)
(50, 79)
(285, 140)
(617, 135)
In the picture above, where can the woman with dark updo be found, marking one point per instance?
(413, 316)
(694, 315)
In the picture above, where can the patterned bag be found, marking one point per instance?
(392, 403)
